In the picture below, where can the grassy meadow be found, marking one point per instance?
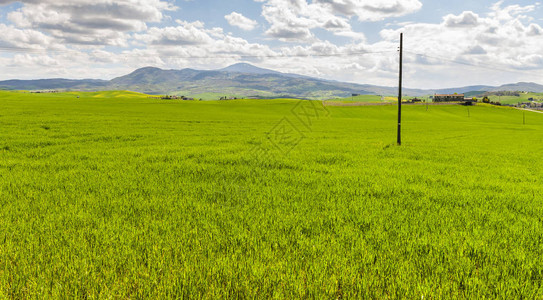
(367, 98)
(114, 195)
(523, 97)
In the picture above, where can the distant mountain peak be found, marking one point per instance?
(147, 69)
(241, 79)
(248, 68)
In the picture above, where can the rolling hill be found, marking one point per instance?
(243, 80)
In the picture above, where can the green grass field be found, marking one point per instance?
(114, 195)
(367, 98)
(515, 99)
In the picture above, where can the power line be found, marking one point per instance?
(346, 54)
(349, 54)
(17, 49)
(12, 49)
(34, 50)
(468, 63)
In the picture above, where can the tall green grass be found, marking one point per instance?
(129, 197)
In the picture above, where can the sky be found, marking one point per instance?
(446, 43)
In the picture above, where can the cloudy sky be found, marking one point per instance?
(447, 43)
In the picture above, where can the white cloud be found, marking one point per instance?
(89, 22)
(485, 47)
(371, 10)
(189, 44)
(23, 38)
(43, 60)
(195, 45)
(503, 38)
(182, 35)
(535, 30)
(293, 20)
(466, 19)
(239, 20)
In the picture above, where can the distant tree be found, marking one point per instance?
(486, 100)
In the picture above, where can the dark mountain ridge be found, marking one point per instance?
(240, 79)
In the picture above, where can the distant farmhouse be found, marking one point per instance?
(44, 92)
(448, 98)
(171, 97)
(457, 98)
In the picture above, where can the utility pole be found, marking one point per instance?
(400, 94)
(427, 100)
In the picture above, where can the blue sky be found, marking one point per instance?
(448, 43)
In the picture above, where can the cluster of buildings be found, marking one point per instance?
(44, 92)
(172, 98)
(460, 98)
(452, 98)
(531, 104)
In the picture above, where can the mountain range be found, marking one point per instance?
(242, 80)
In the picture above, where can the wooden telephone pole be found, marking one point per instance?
(400, 94)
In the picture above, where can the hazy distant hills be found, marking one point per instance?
(521, 86)
(57, 83)
(241, 80)
(248, 68)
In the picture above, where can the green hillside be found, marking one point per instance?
(118, 195)
(523, 97)
(364, 98)
(243, 80)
